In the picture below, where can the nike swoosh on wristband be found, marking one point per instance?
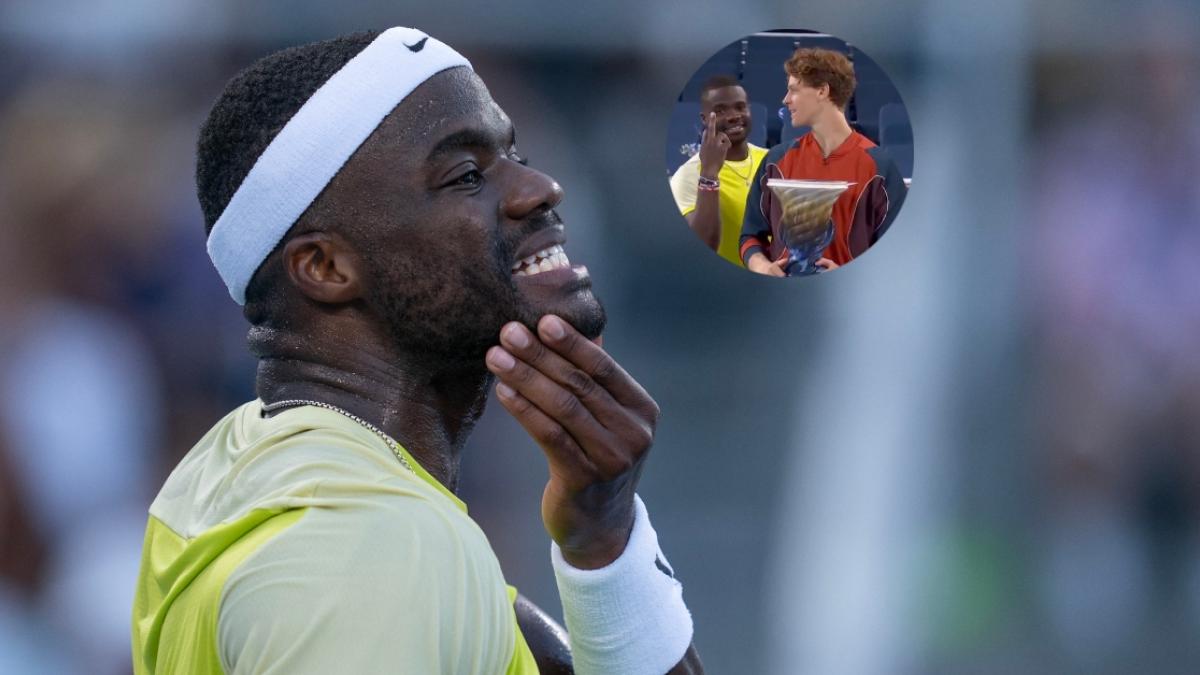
(658, 562)
(417, 47)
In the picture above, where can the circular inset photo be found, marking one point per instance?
(789, 152)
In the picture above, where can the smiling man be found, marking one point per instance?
(710, 188)
(395, 256)
(820, 83)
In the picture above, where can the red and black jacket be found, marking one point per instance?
(860, 216)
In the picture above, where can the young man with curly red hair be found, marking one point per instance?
(820, 85)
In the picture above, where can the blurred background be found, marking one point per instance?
(975, 451)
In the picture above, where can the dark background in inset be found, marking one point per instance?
(756, 61)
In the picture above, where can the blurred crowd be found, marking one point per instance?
(112, 350)
(1113, 292)
(1074, 549)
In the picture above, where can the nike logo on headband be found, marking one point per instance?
(417, 47)
(662, 567)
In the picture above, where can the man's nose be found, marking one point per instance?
(531, 191)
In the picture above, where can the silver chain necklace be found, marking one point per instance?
(272, 407)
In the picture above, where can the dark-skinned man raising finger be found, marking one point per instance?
(711, 188)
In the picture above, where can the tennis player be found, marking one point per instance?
(396, 258)
(711, 188)
(820, 83)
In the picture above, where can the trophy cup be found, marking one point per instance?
(806, 228)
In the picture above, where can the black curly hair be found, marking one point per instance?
(255, 105)
(718, 82)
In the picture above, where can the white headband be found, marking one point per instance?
(312, 147)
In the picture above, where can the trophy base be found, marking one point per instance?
(802, 268)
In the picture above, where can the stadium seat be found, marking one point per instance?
(683, 134)
(730, 60)
(766, 91)
(895, 134)
(903, 155)
(871, 132)
(758, 125)
(873, 91)
(869, 98)
(894, 125)
(765, 80)
(791, 133)
(865, 68)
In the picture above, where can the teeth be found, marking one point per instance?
(545, 260)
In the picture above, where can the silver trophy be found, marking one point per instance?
(806, 227)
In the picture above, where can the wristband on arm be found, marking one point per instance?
(628, 617)
(708, 184)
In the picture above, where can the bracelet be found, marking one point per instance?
(708, 184)
(629, 616)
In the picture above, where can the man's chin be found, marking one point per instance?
(582, 309)
(590, 320)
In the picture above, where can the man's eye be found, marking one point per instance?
(472, 177)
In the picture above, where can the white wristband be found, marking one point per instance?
(629, 616)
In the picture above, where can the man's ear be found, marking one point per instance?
(323, 267)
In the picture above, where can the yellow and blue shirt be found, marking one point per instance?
(299, 544)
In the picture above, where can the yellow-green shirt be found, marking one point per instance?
(299, 544)
(735, 177)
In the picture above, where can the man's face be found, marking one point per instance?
(445, 214)
(732, 109)
(804, 102)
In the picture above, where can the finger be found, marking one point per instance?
(527, 348)
(712, 124)
(566, 458)
(723, 139)
(553, 399)
(561, 337)
(608, 454)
